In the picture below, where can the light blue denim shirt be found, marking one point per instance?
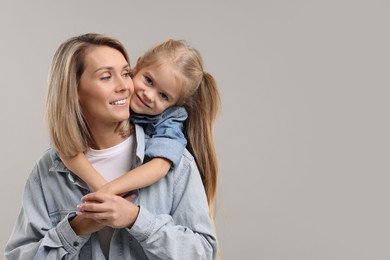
(167, 139)
(173, 222)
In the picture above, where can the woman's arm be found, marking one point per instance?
(80, 166)
(34, 235)
(84, 227)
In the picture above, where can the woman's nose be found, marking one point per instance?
(124, 84)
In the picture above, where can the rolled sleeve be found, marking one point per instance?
(167, 139)
(167, 148)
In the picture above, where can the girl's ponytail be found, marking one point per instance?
(203, 108)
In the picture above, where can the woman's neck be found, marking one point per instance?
(105, 137)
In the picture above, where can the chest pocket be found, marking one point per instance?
(57, 216)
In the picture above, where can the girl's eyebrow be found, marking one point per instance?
(150, 75)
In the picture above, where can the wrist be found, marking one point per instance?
(74, 223)
(107, 188)
(99, 184)
(83, 227)
(136, 215)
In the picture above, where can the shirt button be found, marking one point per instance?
(75, 243)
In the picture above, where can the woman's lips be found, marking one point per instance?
(119, 102)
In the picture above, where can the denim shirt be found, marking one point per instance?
(173, 221)
(166, 134)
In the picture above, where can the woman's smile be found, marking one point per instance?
(120, 102)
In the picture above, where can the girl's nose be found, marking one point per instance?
(148, 96)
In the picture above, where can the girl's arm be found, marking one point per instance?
(80, 166)
(140, 177)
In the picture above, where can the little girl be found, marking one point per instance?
(174, 99)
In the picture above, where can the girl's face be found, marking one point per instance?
(105, 87)
(155, 89)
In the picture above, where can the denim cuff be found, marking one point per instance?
(70, 240)
(144, 225)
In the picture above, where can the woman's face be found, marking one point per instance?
(105, 87)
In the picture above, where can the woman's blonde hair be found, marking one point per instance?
(68, 130)
(200, 97)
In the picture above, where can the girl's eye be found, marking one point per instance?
(163, 96)
(148, 80)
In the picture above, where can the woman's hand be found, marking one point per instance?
(108, 209)
(84, 226)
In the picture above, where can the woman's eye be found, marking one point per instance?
(163, 96)
(105, 78)
(126, 74)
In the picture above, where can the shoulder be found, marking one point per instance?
(188, 157)
(47, 163)
(50, 160)
(186, 169)
(175, 112)
(46, 160)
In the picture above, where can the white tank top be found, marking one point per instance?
(111, 163)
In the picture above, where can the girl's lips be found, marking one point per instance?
(142, 101)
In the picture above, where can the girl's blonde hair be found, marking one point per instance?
(68, 130)
(200, 97)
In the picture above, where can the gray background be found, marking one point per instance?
(303, 136)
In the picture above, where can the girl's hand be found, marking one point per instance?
(108, 209)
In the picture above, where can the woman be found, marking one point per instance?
(87, 110)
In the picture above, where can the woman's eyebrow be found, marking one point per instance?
(110, 68)
(103, 68)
